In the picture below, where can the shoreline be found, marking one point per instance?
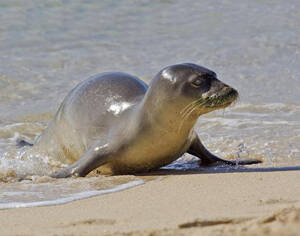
(263, 203)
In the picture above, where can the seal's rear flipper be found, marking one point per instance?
(22, 143)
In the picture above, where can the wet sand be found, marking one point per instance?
(175, 203)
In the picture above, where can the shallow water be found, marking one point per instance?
(47, 47)
(45, 191)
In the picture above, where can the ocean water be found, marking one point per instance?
(47, 47)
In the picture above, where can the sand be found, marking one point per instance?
(183, 203)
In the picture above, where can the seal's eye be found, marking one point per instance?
(197, 83)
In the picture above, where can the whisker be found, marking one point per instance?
(190, 111)
(188, 106)
(184, 118)
(191, 106)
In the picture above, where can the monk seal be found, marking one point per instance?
(116, 123)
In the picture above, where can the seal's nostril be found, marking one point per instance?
(226, 88)
(232, 92)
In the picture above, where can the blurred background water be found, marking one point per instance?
(47, 47)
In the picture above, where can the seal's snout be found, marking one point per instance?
(221, 96)
(227, 96)
(230, 92)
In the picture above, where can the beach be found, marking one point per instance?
(174, 204)
(48, 47)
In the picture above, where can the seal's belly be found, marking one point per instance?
(134, 165)
(134, 161)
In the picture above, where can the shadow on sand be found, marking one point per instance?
(193, 168)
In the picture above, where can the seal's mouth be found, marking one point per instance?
(222, 99)
(207, 103)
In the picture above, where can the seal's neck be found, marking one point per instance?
(167, 115)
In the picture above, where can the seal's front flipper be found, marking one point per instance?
(197, 149)
(243, 161)
(92, 159)
(22, 143)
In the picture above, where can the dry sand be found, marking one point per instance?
(182, 203)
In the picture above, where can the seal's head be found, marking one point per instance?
(193, 88)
